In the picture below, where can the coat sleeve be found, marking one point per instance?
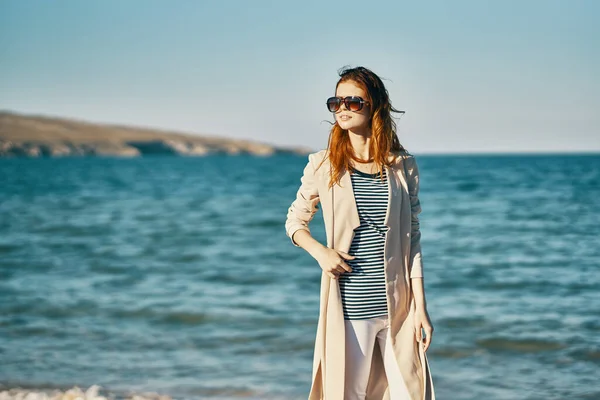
(304, 207)
(415, 261)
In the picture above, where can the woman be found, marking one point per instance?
(369, 342)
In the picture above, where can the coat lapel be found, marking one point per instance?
(345, 201)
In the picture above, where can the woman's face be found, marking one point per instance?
(354, 121)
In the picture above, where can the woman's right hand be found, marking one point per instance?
(332, 261)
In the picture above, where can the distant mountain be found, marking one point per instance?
(42, 136)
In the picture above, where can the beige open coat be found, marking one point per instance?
(402, 262)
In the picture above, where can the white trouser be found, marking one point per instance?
(360, 341)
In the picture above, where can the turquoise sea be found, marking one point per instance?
(175, 275)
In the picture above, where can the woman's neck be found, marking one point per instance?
(360, 145)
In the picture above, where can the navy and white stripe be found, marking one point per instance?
(363, 289)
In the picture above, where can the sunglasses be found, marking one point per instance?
(352, 103)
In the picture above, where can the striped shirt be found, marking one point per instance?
(363, 289)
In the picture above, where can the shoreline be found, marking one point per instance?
(31, 136)
(94, 392)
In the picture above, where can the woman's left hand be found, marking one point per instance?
(422, 321)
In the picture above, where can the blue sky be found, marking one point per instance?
(472, 76)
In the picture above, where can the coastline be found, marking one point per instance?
(26, 136)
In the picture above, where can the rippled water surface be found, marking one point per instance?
(175, 275)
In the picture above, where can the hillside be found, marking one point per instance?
(42, 136)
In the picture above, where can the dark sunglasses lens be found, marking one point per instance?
(333, 104)
(353, 104)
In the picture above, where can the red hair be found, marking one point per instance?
(384, 139)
